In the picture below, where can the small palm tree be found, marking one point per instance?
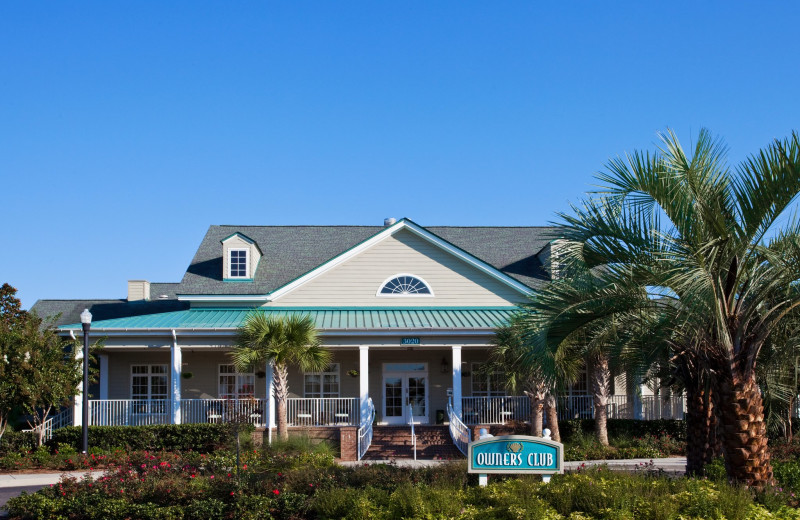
(280, 341)
(508, 350)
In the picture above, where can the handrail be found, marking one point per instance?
(365, 430)
(413, 435)
(458, 430)
(54, 422)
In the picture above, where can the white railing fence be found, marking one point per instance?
(54, 422)
(494, 409)
(328, 411)
(459, 431)
(129, 412)
(647, 407)
(365, 430)
(248, 410)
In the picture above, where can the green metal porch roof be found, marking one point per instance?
(342, 318)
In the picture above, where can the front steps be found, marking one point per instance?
(394, 442)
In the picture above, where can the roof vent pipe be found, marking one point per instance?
(389, 221)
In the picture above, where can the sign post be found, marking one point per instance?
(520, 454)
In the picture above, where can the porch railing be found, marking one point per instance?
(647, 407)
(328, 411)
(501, 409)
(365, 430)
(494, 409)
(54, 422)
(459, 431)
(129, 412)
(251, 411)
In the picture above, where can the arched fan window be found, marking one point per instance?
(404, 285)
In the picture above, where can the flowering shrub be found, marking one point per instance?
(276, 485)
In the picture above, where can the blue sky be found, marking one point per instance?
(127, 128)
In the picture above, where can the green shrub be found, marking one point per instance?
(788, 475)
(202, 438)
(628, 428)
(13, 441)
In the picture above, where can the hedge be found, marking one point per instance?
(202, 438)
(17, 442)
(626, 428)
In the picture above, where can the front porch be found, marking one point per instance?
(346, 411)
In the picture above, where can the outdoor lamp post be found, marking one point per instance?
(86, 322)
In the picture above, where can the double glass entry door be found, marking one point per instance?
(405, 393)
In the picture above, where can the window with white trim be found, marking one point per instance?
(149, 382)
(581, 385)
(236, 385)
(404, 285)
(322, 384)
(237, 263)
(487, 384)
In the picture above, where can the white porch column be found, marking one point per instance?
(457, 380)
(77, 405)
(177, 360)
(104, 375)
(363, 379)
(270, 397)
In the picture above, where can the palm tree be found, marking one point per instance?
(508, 351)
(280, 342)
(711, 241)
(577, 320)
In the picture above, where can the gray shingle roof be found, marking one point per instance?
(70, 310)
(292, 251)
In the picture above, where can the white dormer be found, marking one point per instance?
(240, 256)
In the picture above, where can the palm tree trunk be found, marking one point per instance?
(281, 389)
(702, 440)
(537, 407)
(551, 409)
(744, 431)
(601, 382)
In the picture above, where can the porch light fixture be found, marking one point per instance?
(445, 366)
(86, 323)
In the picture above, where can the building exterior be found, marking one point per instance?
(407, 311)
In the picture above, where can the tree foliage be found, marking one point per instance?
(281, 342)
(38, 373)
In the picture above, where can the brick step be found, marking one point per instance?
(394, 442)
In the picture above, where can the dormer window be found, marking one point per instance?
(240, 258)
(404, 285)
(237, 263)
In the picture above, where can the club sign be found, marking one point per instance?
(516, 454)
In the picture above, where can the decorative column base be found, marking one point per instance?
(348, 442)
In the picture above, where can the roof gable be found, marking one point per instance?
(292, 252)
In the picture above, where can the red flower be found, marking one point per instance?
(276, 491)
(231, 493)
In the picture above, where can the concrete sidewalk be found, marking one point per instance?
(9, 480)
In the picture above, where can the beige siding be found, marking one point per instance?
(356, 281)
(204, 367)
(119, 366)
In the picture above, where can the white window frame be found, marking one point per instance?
(321, 375)
(246, 263)
(149, 375)
(398, 295)
(583, 375)
(487, 378)
(237, 395)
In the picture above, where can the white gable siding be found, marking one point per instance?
(356, 281)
